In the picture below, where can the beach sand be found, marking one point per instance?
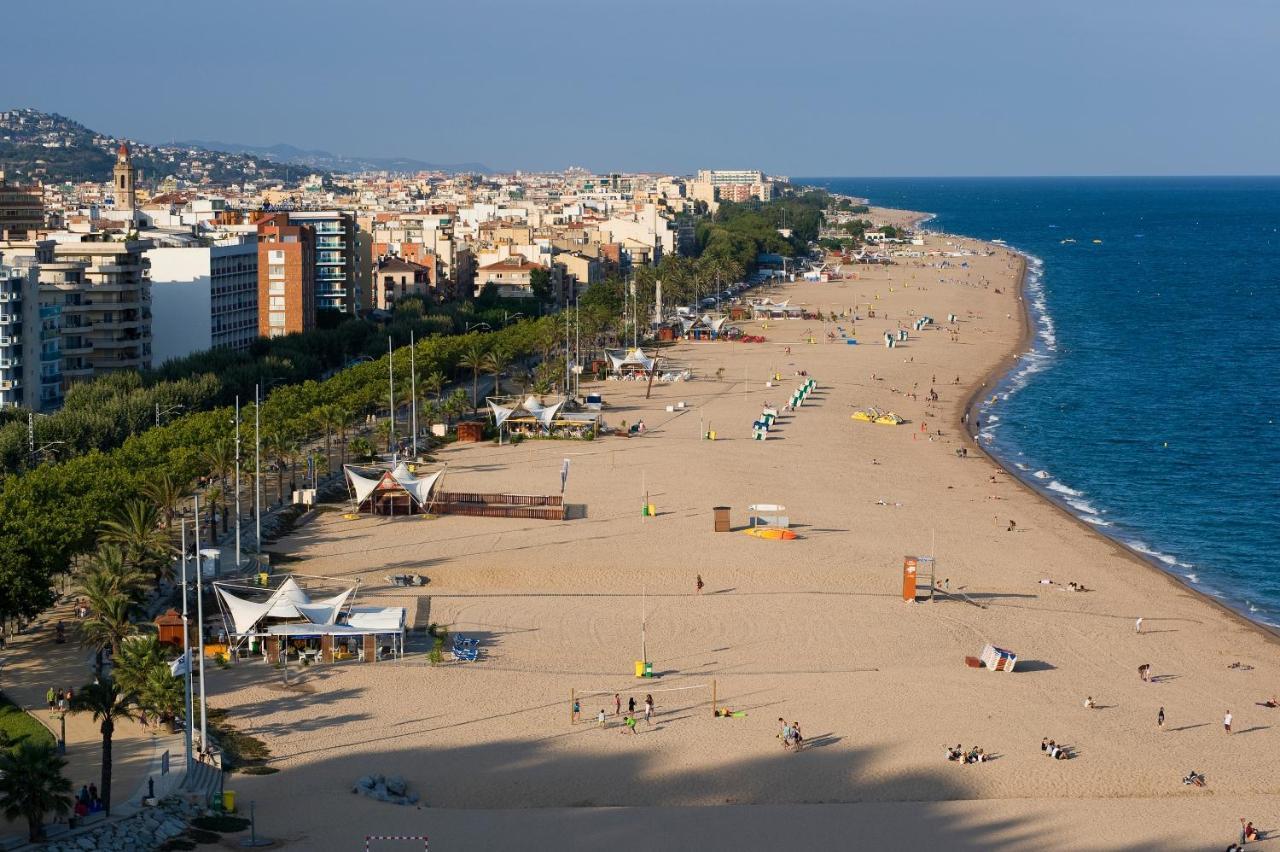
(813, 630)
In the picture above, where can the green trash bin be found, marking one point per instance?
(229, 801)
(648, 669)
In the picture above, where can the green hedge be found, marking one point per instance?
(20, 726)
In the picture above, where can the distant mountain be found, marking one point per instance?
(42, 146)
(285, 153)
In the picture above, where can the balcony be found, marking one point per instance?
(6, 298)
(79, 372)
(9, 319)
(10, 363)
(10, 340)
(10, 384)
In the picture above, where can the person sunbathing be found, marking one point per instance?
(1194, 779)
(1270, 702)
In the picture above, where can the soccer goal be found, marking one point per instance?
(375, 841)
(585, 703)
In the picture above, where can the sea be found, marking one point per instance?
(1147, 403)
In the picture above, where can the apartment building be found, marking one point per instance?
(204, 297)
(337, 269)
(286, 276)
(30, 332)
(21, 210)
(15, 290)
(512, 277)
(105, 294)
(396, 279)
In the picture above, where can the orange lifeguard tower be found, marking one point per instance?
(915, 569)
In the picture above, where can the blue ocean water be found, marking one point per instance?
(1148, 404)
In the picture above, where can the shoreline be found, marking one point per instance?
(994, 378)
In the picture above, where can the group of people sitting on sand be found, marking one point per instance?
(1057, 752)
(973, 755)
(1193, 779)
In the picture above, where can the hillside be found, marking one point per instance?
(324, 160)
(52, 148)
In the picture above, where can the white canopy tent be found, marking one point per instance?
(634, 359)
(251, 612)
(399, 479)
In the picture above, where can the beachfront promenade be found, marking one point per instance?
(813, 630)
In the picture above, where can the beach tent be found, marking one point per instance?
(399, 480)
(289, 602)
(629, 361)
(544, 414)
(998, 659)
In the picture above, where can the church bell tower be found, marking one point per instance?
(123, 175)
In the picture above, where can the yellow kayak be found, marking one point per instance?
(771, 533)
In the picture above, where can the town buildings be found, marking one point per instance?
(203, 297)
(286, 276)
(21, 210)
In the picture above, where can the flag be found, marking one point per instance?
(178, 667)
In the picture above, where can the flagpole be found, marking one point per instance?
(257, 474)
(391, 384)
(204, 707)
(186, 646)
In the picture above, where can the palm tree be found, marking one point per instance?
(162, 695)
(345, 420)
(277, 446)
(434, 383)
(109, 623)
(167, 493)
(32, 785)
(220, 458)
(138, 656)
(328, 417)
(109, 573)
(496, 363)
(473, 360)
(108, 703)
(146, 546)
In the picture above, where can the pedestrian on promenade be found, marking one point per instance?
(51, 697)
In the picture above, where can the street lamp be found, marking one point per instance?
(506, 320)
(160, 413)
(483, 325)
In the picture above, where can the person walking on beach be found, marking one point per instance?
(1144, 672)
(631, 705)
(600, 718)
(1137, 626)
(617, 704)
(698, 584)
(577, 709)
(648, 709)
(1226, 722)
(1160, 719)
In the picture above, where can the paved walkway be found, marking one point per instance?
(32, 662)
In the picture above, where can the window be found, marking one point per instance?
(276, 270)
(276, 318)
(277, 303)
(277, 288)
(275, 256)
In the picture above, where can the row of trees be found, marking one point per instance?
(52, 514)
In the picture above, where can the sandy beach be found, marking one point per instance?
(813, 630)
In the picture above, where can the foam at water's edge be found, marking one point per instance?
(1041, 356)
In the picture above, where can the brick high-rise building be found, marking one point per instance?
(286, 276)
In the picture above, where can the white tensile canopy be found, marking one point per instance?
(544, 414)
(629, 358)
(288, 601)
(418, 487)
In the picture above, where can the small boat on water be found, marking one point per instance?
(771, 533)
(1068, 241)
(1097, 242)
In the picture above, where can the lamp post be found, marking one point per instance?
(186, 647)
(204, 707)
(237, 482)
(257, 473)
(391, 383)
(413, 396)
(160, 413)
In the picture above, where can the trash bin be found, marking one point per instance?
(229, 801)
(722, 518)
(639, 668)
(648, 669)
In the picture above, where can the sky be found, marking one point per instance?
(794, 87)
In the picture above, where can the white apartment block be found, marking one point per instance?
(203, 297)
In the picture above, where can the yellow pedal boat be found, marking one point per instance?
(771, 533)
